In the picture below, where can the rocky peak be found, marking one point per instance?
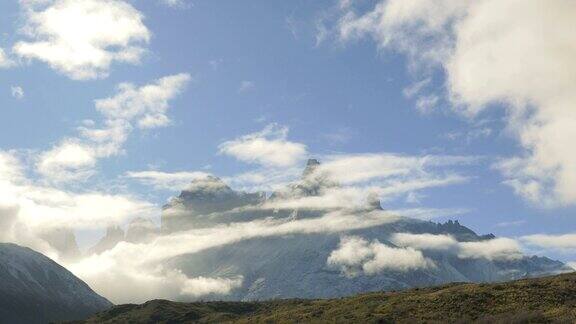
(203, 197)
(311, 166)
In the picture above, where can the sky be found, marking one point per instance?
(448, 109)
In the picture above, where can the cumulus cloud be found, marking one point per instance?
(82, 38)
(269, 147)
(521, 62)
(356, 255)
(165, 180)
(145, 106)
(494, 249)
(562, 242)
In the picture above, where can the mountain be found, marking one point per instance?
(203, 198)
(63, 241)
(295, 265)
(543, 300)
(138, 230)
(35, 289)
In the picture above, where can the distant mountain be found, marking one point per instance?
(295, 266)
(35, 289)
(137, 231)
(544, 300)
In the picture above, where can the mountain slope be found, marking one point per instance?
(543, 300)
(35, 289)
(295, 265)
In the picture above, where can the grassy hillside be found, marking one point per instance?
(543, 300)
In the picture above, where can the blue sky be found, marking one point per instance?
(258, 63)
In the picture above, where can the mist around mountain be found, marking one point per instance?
(290, 245)
(35, 289)
(543, 300)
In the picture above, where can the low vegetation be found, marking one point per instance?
(543, 300)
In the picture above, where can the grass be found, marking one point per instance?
(542, 300)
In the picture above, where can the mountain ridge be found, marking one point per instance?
(35, 289)
(295, 265)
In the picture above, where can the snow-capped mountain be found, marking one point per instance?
(297, 265)
(35, 289)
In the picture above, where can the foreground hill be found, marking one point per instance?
(543, 300)
(35, 289)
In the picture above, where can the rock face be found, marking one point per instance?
(295, 266)
(114, 235)
(35, 289)
(63, 241)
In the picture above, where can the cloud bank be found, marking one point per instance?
(493, 249)
(522, 63)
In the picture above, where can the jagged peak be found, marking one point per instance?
(311, 166)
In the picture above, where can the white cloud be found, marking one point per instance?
(494, 249)
(174, 3)
(357, 168)
(5, 61)
(202, 286)
(491, 57)
(269, 147)
(17, 92)
(564, 241)
(164, 180)
(246, 86)
(137, 284)
(67, 161)
(82, 38)
(36, 208)
(356, 255)
(572, 265)
(130, 266)
(147, 106)
(349, 179)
